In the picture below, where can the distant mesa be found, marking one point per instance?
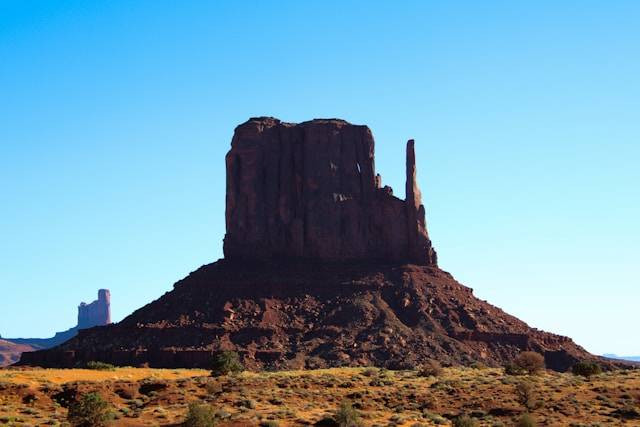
(616, 357)
(96, 313)
(323, 267)
(10, 352)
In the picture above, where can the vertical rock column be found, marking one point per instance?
(420, 249)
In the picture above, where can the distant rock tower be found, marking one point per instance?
(97, 313)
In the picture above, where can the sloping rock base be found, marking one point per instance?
(306, 315)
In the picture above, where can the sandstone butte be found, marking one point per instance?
(96, 313)
(323, 266)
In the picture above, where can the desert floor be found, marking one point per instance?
(139, 396)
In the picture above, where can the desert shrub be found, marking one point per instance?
(347, 415)
(225, 363)
(586, 369)
(526, 420)
(369, 372)
(200, 415)
(513, 369)
(269, 423)
(100, 366)
(529, 361)
(89, 411)
(628, 411)
(431, 368)
(464, 421)
(478, 365)
(427, 401)
(527, 395)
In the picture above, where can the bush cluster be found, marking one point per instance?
(99, 366)
(200, 415)
(431, 368)
(347, 415)
(225, 363)
(89, 411)
(527, 362)
(586, 369)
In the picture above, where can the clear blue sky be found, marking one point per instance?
(115, 117)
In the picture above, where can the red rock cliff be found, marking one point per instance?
(310, 190)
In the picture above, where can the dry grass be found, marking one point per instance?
(60, 376)
(402, 398)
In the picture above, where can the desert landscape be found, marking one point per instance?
(260, 259)
(459, 396)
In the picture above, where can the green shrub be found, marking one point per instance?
(586, 369)
(431, 368)
(200, 415)
(464, 421)
(526, 420)
(225, 363)
(347, 416)
(100, 366)
(529, 361)
(90, 411)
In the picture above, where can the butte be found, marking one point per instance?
(323, 266)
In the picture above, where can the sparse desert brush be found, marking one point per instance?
(464, 421)
(478, 365)
(200, 415)
(431, 368)
(89, 411)
(347, 415)
(369, 372)
(427, 401)
(99, 366)
(527, 394)
(586, 369)
(526, 420)
(225, 363)
(527, 362)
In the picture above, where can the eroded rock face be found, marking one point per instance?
(97, 313)
(310, 191)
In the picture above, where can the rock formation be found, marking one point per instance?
(323, 267)
(310, 191)
(97, 313)
(10, 352)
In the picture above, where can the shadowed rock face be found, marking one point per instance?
(310, 191)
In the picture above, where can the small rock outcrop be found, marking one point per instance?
(311, 191)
